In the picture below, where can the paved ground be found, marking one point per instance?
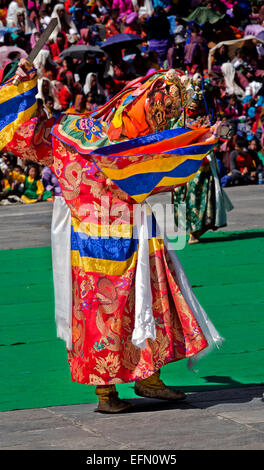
(25, 226)
(28, 226)
(224, 420)
(217, 420)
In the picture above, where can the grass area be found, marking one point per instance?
(226, 272)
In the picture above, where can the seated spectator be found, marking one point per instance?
(231, 111)
(254, 150)
(87, 66)
(238, 61)
(90, 104)
(42, 63)
(101, 12)
(11, 13)
(144, 8)
(23, 22)
(57, 47)
(1, 184)
(50, 182)
(132, 25)
(195, 52)
(84, 39)
(12, 190)
(159, 40)
(5, 184)
(66, 74)
(111, 26)
(46, 89)
(34, 190)
(78, 105)
(80, 16)
(7, 160)
(65, 22)
(152, 60)
(92, 85)
(65, 95)
(124, 7)
(244, 164)
(165, 4)
(110, 87)
(45, 12)
(220, 57)
(49, 107)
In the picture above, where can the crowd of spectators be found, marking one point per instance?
(25, 182)
(185, 35)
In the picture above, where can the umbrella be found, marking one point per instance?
(7, 29)
(6, 50)
(204, 15)
(232, 46)
(122, 39)
(79, 51)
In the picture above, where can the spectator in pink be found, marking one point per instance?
(124, 8)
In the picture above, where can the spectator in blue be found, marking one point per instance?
(50, 182)
(158, 31)
(165, 4)
(81, 17)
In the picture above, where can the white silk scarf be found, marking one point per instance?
(144, 326)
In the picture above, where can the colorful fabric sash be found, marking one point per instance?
(17, 105)
(164, 159)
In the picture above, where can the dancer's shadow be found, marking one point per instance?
(203, 396)
(232, 237)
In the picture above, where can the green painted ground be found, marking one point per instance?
(226, 272)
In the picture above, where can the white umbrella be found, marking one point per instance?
(6, 50)
(232, 45)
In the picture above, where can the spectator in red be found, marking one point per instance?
(244, 164)
(65, 95)
(60, 45)
(231, 111)
(111, 27)
(133, 26)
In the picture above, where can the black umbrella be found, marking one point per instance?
(122, 39)
(79, 51)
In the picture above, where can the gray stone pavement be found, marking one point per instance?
(216, 420)
(230, 419)
(26, 226)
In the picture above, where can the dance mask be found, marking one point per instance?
(147, 105)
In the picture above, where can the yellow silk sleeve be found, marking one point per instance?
(40, 188)
(17, 176)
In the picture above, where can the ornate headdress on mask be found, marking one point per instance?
(147, 105)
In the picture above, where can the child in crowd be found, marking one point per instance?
(34, 190)
(90, 103)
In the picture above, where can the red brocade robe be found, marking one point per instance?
(103, 280)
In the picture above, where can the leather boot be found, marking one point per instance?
(153, 387)
(109, 401)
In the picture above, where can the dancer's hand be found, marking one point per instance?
(216, 128)
(25, 71)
